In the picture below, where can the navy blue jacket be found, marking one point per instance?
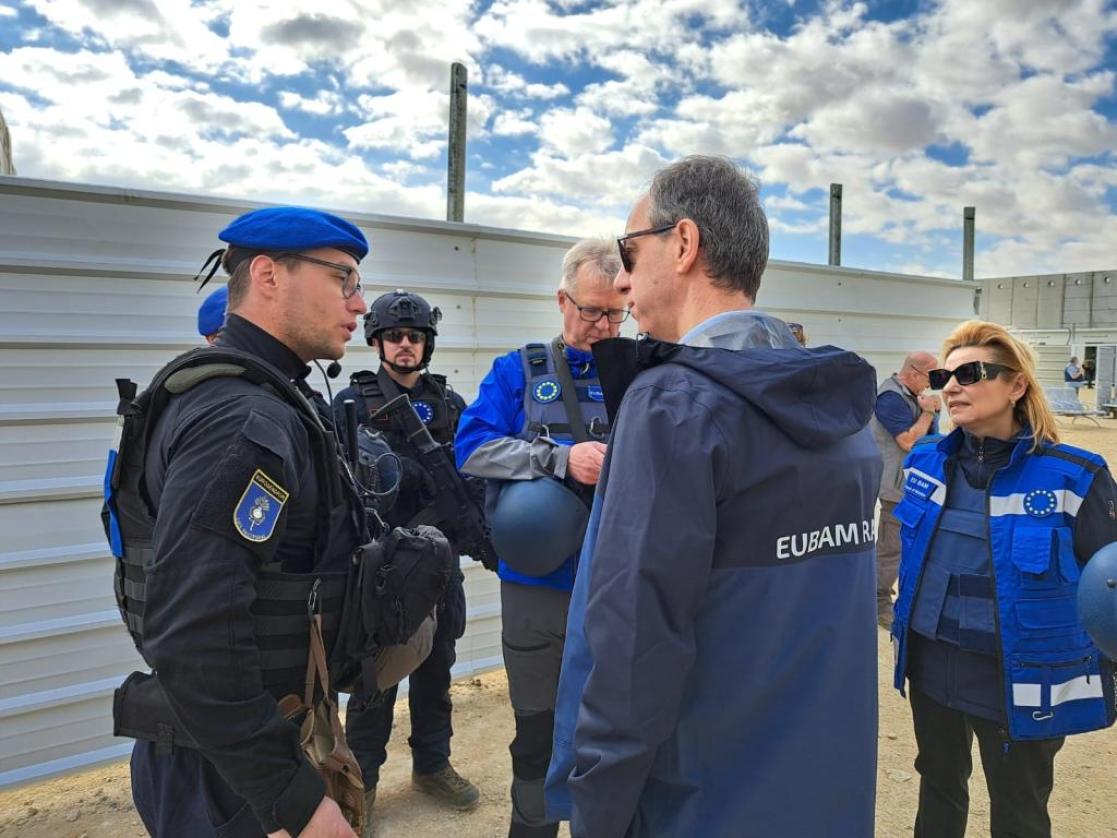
(719, 676)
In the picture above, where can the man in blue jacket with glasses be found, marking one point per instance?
(719, 676)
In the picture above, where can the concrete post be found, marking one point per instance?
(968, 214)
(455, 157)
(835, 224)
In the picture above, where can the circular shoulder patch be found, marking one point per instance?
(546, 391)
(1039, 503)
(425, 411)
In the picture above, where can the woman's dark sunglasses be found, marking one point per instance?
(966, 374)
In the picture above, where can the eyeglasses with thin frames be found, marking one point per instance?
(351, 281)
(626, 255)
(592, 314)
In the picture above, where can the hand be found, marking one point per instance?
(585, 462)
(932, 404)
(326, 822)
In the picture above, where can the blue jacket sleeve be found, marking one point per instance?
(650, 570)
(497, 411)
(893, 413)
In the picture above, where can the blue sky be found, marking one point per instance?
(918, 107)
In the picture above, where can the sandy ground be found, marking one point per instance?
(97, 804)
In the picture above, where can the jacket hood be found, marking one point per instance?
(816, 396)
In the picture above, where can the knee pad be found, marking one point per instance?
(531, 749)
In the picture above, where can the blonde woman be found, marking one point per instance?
(997, 519)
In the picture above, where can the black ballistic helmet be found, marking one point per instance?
(401, 309)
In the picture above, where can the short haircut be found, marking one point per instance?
(602, 254)
(724, 202)
(241, 260)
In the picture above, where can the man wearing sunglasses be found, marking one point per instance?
(720, 667)
(902, 415)
(402, 326)
(537, 433)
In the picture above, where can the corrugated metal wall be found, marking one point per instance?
(94, 285)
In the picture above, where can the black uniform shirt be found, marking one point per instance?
(232, 474)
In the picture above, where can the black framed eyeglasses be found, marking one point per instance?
(966, 374)
(416, 336)
(592, 314)
(350, 282)
(626, 256)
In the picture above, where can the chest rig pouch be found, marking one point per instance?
(280, 613)
(437, 412)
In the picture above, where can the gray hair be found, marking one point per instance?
(725, 204)
(602, 254)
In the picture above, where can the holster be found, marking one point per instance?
(321, 736)
(140, 710)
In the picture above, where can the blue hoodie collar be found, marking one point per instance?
(740, 329)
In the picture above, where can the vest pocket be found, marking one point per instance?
(1056, 697)
(1033, 549)
(909, 514)
(1050, 615)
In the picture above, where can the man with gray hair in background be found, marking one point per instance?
(536, 433)
(719, 676)
(901, 417)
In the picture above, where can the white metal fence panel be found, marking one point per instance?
(94, 285)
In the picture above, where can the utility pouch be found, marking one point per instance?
(394, 585)
(402, 579)
(321, 736)
(140, 710)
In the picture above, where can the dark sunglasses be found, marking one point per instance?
(626, 255)
(592, 314)
(397, 335)
(350, 279)
(966, 374)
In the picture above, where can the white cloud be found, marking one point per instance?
(515, 123)
(325, 103)
(8, 11)
(513, 84)
(574, 132)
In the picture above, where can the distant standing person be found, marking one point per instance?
(900, 418)
(1073, 374)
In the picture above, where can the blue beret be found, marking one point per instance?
(211, 313)
(294, 228)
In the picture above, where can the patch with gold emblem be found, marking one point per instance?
(258, 510)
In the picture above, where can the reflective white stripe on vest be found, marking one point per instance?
(1065, 501)
(1029, 695)
(939, 495)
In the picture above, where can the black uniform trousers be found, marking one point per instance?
(1019, 775)
(368, 724)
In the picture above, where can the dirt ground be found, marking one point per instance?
(96, 803)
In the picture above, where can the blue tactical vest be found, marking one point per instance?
(545, 410)
(1054, 680)
(954, 603)
(545, 413)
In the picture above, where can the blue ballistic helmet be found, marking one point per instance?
(537, 524)
(1097, 599)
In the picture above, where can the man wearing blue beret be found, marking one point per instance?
(226, 506)
(211, 314)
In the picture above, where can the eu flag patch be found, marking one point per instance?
(258, 510)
